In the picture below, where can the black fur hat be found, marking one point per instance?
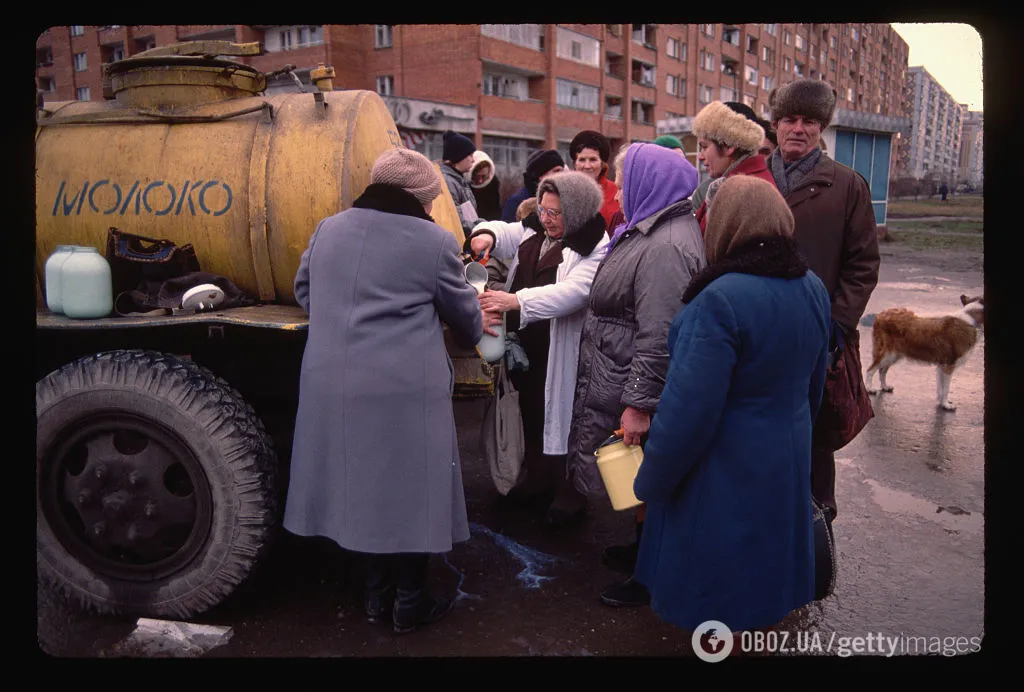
(811, 98)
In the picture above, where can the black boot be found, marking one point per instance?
(626, 594)
(379, 587)
(413, 605)
(622, 558)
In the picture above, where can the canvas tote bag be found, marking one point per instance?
(502, 443)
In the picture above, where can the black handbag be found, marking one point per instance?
(135, 259)
(824, 552)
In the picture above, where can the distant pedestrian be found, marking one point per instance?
(540, 165)
(457, 160)
(943, 190)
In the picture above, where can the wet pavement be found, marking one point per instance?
(910, 491)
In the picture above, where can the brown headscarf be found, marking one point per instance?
(744, 209)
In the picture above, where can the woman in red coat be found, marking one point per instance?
(590, 152)
(729, 136)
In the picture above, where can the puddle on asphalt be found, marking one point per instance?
(532, 560)
(950, 517)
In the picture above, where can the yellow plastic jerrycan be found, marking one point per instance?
(619, 464)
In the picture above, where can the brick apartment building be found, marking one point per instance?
(515, 88)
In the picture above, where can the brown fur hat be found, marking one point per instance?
(720, 123)
(811, 98)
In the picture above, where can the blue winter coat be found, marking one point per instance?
(727, 466)
(508, 212)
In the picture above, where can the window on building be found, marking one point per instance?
(729, 94)
(146, 43)
(705, 94)
(849, 94)
(750, 74)
(786, 64)
(707, 60)
(78, 30)
(672, 48)
(752, 45)
(643, 113)
(748, 100)
(799, 42)
(767, 83)
(44, 57)
(386, 85)
(675, 85)
(731, 34)
(292, 37)
(47, 84)
(854, 33)
(787, 37)
(510, 154)
(117, 53)
(382, 36)
(82, 93)
(832, 42)
(526, 35)
(505, 85)
(613, 107)
(768, 54)
(832, 64)
(643, 74)
(576, 95)
(80, 62)
(798, 69)
(644, 33)
(765, 111)
(771, 28)
(573, 46)
(708, 30)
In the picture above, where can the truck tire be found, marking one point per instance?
(156, 485)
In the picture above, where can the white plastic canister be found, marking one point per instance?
(86, 288)
(51, 271)
(492, 348)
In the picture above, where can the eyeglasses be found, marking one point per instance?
(553, 213)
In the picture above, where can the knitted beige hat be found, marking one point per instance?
(409, 170)
(720, 123)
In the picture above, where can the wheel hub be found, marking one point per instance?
(126, 496)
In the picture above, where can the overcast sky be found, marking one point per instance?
(952, 55)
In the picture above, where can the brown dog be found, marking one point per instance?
(942, 341)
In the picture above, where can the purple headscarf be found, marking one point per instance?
(653, 178)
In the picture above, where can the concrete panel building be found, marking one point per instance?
(971, 169)
(936, 127)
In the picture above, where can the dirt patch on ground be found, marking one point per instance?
(942, 260)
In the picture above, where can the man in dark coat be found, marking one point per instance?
(835, 228)
(540, 165)
(457, 160)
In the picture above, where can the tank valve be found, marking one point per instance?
(322, 77)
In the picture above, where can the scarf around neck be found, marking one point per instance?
(775, 256)
(788, 175)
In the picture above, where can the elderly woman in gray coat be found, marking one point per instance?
(375, 462)
(636, 292)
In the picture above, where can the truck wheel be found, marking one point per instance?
(155, 485)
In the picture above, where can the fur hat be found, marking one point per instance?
(669, 142)
(811, 98)
(580, 195)
(409, 170)
(730, 124)
(456, 146)
(592, 140)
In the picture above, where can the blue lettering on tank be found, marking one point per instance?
(69, 201)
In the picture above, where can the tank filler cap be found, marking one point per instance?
(322, 77)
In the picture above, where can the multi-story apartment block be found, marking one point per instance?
(971, 170)
(515, 88)
(937, 124)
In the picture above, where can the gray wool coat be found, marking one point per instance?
(375, 462)
(462, 192)
(636, 292)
